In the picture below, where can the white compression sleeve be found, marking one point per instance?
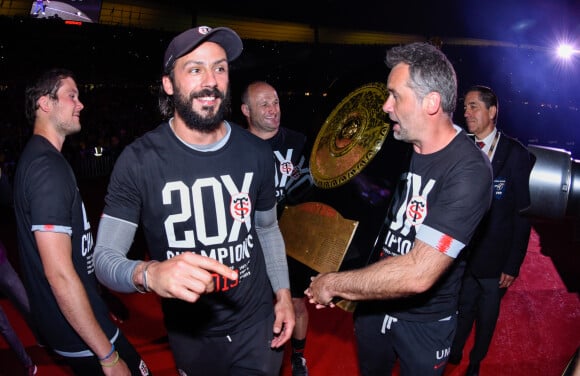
(273, 248)
(112, 267)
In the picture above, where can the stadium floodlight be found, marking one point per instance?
(566, 51)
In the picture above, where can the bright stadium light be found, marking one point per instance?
(566, 51)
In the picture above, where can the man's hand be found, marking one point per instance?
(506, 280)
(186, 276)
(285, 319)
(318, 292)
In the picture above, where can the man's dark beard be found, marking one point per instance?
(196, 121)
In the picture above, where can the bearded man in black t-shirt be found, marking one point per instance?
(203, 191)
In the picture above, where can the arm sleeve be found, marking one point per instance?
(273, 248)
(112, 267)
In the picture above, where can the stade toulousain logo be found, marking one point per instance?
(203, 30)
(241, 207)
(286, 167)
(416, 210)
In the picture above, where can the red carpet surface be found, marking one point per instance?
(537, 333)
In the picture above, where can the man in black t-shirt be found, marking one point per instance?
(261, 107)
(203, 192)
(407, 309)
(56, 243)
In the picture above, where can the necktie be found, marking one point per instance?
(481, 144)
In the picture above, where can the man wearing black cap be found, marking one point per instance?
(203, 191)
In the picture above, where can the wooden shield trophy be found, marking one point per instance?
(350, 137)
(315, 233)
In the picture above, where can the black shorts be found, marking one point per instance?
(240, 353)
(299, 277)
(422, 348)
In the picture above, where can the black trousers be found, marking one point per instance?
(246, 352)
(479, 304)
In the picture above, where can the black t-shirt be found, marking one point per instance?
(440, 201)
(203, 202)
(291, 174)
(46, 198)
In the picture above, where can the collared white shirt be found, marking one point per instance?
(490, 143)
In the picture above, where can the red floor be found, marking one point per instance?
(537, 333)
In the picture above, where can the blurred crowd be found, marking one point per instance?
(109, 122)
(117, 67)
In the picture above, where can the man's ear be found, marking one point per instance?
(432, 102)
(167, 85)
(245, 110)
(44, 103)
(493, 113)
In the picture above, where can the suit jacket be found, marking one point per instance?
(501, 240)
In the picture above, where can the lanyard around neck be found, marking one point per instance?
(493, 145)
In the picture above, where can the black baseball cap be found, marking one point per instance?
(190, 39)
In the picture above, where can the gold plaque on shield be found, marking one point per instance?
(350, 137)
(316, 235)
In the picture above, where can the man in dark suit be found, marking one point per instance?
(497, 251)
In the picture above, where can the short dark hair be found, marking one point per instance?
(47, 83)
(487, 96)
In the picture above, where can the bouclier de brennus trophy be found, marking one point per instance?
(315, 233)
